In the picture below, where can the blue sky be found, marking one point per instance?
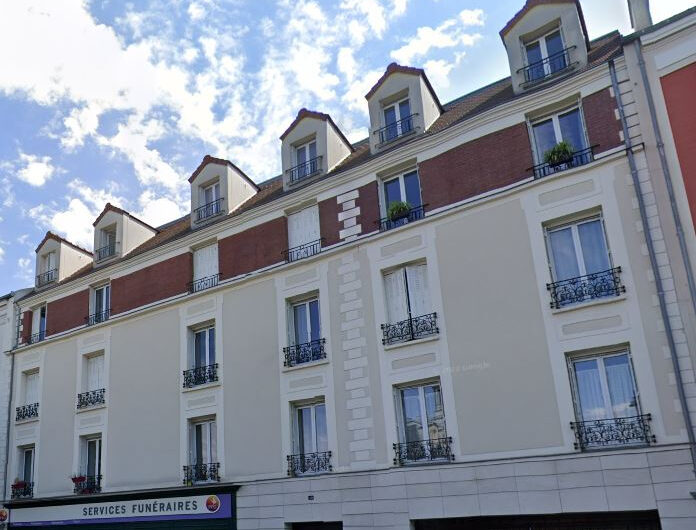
(114, 101)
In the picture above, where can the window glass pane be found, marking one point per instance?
(534, 56)
(91, 457)
(28, 463)
(565, 262)
(391, 130)
(314, 320)
(392, 192)
(199, 349)
(412, 187)
(42, 320)
(571, 129)
(594, 249)
(435, 412)
(312, 150)
(301, 332)
(304, 430)
(322, 437)
(554, 47)
(413, 422)
(622, 391)
(591, 399)
(98, 300)
(405, 116)
(395, 293)
(301, 155)
(212, 433)
(544, 138)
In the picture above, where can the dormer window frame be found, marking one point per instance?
(401, 126)
(107, 247)
(209, 208)
(305, 165)
(546, 59)
(47, 270)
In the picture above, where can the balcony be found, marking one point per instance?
(200, 375)
(410, 329)
(91, 398)
(105, 252)
(96, 318)
(302, 251)
(22, 490)
(396, 130)
(583, 288)
(208, 210)
(198, 473)
(46, 277)
(86, 484)
(304, 170)
(203, 283)
(309, 464)
(553, 65)
(26, 412)
(578, 158)
(304, 353)
(37, 337)
(414, 214)
(616, 432)
(420, 451)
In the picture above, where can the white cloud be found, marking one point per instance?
(158, 211)
(25, 269)
(196, 11)
(2, 255)
(438, 72)
(36, 170)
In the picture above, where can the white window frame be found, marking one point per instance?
(539, 157)
(21, 464)
(46, 265)
(296, 425)
(106, 300)
(25, 386)
(105, 235)
(193, 449)
(213, 264)
(542, 47)
(401, 424)
(84, 459)
(293, 324)
(37, 320)
(215, 187)
(402, 189)
(397, 113)
(206, 330)
(316, 228)
(306, 148)
(407, 293)
(100, 384)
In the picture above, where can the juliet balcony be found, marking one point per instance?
(96, 318)
(412, 328)
(309, 463)
(304, 170)
(414, 214)
(200, 375)
(585, 288)
(553, 65)
(105, 252)
(22, 490)
(396, 130)
(27, 412)
(614, 432)
(37, 337)
(574, 159)
(86, 484)
(423, 451)
(197, 473)
(91, 398)
(207, 211)
(46, 277)
(203, 283)
(304, 353)
(302, 251)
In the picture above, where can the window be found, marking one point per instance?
(304, 328)
(24, 484)
(210, 193)
(421, 422)
(49, 262)
(95, 373)
(404, 188)
(93, 382)
(88, 480)
(202, 363)
(397, 120)
(205, 268)
(568, 127)
(31, 388)
(47, 269)
(101, 304)
(107, 243)
(210, 202)
(38, 324)
(306, 162)
(545, 56)
(203, 464)
(304, 238)
(409, 312)
(310, 440)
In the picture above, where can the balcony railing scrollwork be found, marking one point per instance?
(86, 484)
(305, 170)
(98, 317)
(302, 251)
(432, 450)
(37, 337)
(91, 398)
(306, 352)
(589, 287)
(208, 210)
(576, 159)
(309, 463)
(200, 375)
(22, 490)
(203, 283)
(551, 65)
(396, 130)
(26, 412)
(414, 214)
(105, 252)
(410, 329)
(46, 277)
(601, 434)
(201, 473)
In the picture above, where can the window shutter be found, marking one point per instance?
(95, 369)
(32, 389)
(418, 290)
(312, 223)
(205, 262)
(303, 226)
(395, 292)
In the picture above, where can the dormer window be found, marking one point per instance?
(211, 202)
(107, 240)
(48, 270)
(307, 163)
(545, 57)
(398, 121)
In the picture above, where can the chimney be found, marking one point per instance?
(640, 14)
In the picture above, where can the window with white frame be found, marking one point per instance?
(91, 458)
(397, 120)
(545, 56)
(310, 443)
(203, 465)
(48, 262)
(205, 268)
(23, 485)
(306, 161)
(304, 237)
(210, 193)
(38, 324)
(101, 304)
(202, 361)
(31, 387)
(305, 325)
(95, 373)
(404, 188)
(566, 126)
(107, 243)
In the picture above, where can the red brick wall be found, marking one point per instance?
(26, 326)
(497, 159)
(150, 284)
(67, 313)
(253, 249)
(369, 207)
(600, 119)
(328, 221)
(678, 90)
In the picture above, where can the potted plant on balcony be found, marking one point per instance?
(559, 154)
(19, 484)
(398, 210)
(78, 479)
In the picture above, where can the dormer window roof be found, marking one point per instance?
(117, 232)
(57, 258)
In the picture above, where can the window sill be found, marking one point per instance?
(589, 303)
(320, 362)
(431, 338)
(212, 384)
(27, 420)
(93, 407)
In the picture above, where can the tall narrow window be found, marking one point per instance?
(23, 486)
(95, 372)
(402, 189)
(203, 464)
(550, 131)
(107, 242)
(306, 161)
(304, 238)
(38, 325)
(30, 399)
(545, 56)
(310, 440)
(422, 430)
(305, 341)
(102, 304)
(397, 120)
(202, 361)
(205, 268)
(49, 262)
(93, 382)
(210, 202)
(89, 478)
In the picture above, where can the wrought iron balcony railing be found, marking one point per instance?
(201, 473)
(589, 287)
(305, 170)
(302, 251)
(105, 252)
(208, 210)
(91, 398)
(544, 69)
(437, 449)
(46, 277)
(37, 337)
(600, 434)
(305, 352)
(22, 490)
(86, 484)
(410, 329)
(203, 283)
(25, 412)
(309, 463)
(96, 318)
(396, 130)
(200, 375)
(414, 214)
(578, 158)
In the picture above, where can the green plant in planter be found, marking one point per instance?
(561, 153)
(398, 210)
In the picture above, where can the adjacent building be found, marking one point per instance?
(474, 318)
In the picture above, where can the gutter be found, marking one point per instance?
(655, 268)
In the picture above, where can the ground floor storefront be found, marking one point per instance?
(647, 520)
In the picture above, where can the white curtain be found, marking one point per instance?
(205, 262)
(417, 277)
(565, 261)
(31, 391)
(594, 248)
(303, 226)
(621, 388)
(590, 390)
(395, 292)
(95, 372)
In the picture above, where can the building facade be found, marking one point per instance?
(471, 319)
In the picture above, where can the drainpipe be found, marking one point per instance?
(653, 263)
(9, 411)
